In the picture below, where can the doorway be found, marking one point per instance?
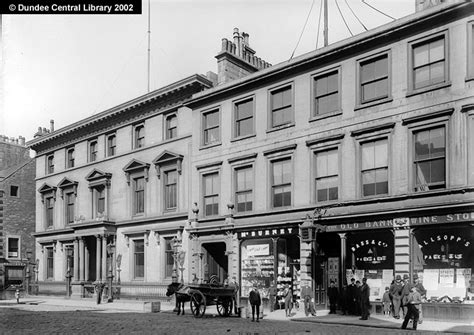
(215, 261)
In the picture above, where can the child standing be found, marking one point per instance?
(386, 301)
(17, 296)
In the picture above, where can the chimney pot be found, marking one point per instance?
(51, 123)
(246, 38)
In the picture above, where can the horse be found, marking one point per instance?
(181, 298)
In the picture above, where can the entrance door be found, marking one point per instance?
(319, 275)
(216, 262)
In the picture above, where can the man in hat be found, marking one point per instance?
(364, 299)
(413, 305)
(396, 293)
(333, 295)
(351, 297)
(255, 302)
(405, 292)
(421, 289)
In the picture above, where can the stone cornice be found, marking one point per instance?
(164, 99)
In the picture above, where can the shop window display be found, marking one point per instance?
(371, 256)
(258, 262)
(443, 259)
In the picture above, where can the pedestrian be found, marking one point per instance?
(358, 299)
(364, 299)
(272, 293)
(17, 296)
(413, 305)
(235, 295)
(396, 292)
(333, 295)
(351, 297)
(421, 289)
(288, 297)
(386, 301)
(405, 292)
(343, 300)
(255, 302)
(307, 295)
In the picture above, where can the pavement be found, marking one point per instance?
(47, 303)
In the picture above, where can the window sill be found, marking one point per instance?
(373, 103)
(204, 147)
(325, 116)
(428, 89)
(285, 126)
(235, 139)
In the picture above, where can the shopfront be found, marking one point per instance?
(443, 258)
(270, 256)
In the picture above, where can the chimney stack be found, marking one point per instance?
(51, 123)
(237, 59)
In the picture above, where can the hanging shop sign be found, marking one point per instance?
(268, 232)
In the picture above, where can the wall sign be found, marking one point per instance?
(269, 232)
(258, 250)
(403, 222)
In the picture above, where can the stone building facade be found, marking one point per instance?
(17, 212)
(112, 192)
(351, 161)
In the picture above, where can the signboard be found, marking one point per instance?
(258, 250)
(403, 222)
(268, 232)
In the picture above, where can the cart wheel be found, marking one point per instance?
(198, 304)
(224, 306)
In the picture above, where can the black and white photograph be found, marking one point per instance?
(237, 167)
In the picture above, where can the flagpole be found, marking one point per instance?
(149, 35)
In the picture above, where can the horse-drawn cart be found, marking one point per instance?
(203, 295)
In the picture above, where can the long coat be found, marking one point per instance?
(254, 298)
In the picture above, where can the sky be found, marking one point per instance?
(69, 67)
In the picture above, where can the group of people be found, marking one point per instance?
(353, 300)
(406, 297)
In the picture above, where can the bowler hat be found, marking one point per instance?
(405, 276)
(415, 276)
(398, 277)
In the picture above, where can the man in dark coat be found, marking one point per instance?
(333, 295)
(255, 302)
(357, 298)
(396, 294)
(351, 297)
(405, 292)
(343, 300)
(364, 299)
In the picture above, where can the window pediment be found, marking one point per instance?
(47, 189)
(67, 183)
(165, 158)
(135, 166)
(97, 177)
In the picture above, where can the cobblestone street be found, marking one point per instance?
(30, 320)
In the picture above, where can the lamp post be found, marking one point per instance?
(110, 276)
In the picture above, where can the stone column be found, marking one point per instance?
(76, 260)
(98, 257)
(81, 259)
(86, 262)
(104, 258)
(343, 257)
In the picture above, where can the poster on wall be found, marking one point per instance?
(258, 250)
(463, 276)
(430, 279)
(446, 277)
